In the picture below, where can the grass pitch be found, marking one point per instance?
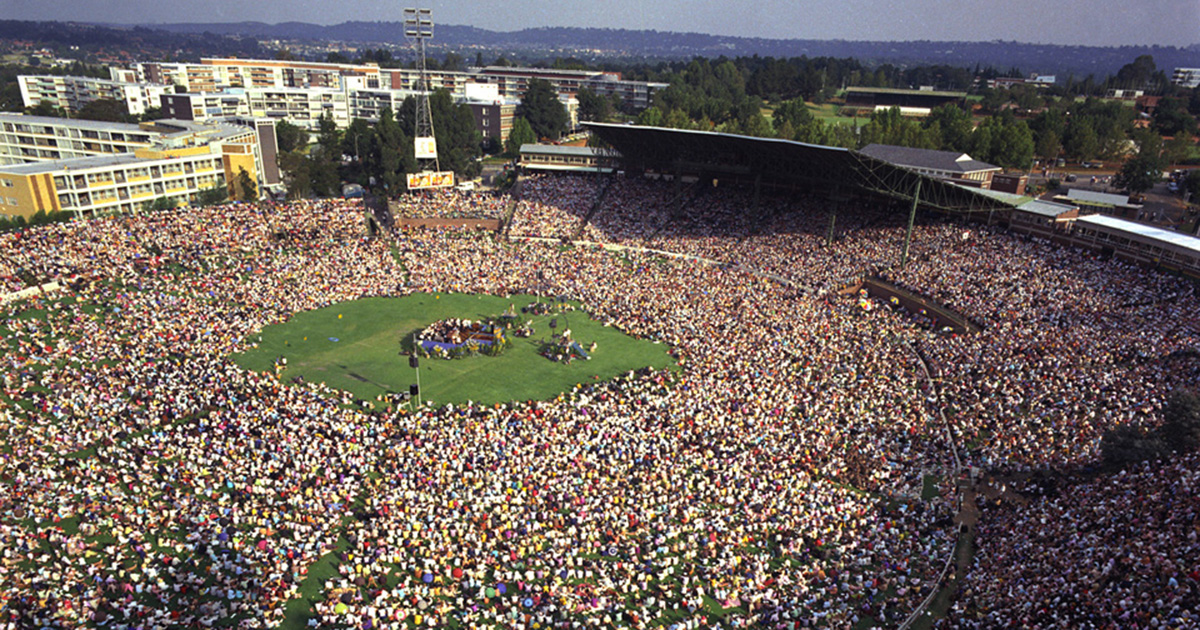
(367, 360)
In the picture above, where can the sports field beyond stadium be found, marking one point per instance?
(356, 346)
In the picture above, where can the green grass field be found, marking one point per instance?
(367, 358)
(828, 114)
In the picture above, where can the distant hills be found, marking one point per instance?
(591, 42)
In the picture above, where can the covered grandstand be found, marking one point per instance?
(785, 164)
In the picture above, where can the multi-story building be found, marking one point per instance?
(198, 106)
(72, 93)
(181, 159)
(299, 106)
(39, 138)
(213, 74)
(1187, 77)
(513, 81)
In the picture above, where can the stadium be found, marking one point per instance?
(809, 454)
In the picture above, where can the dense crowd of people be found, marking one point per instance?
(1119, 551)
(450, 203)
(774, 480)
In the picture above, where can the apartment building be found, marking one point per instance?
(40, 138)
(299, 106)
(215, 74)
(71, 93)
(181, 162)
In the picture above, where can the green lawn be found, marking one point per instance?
(828, 114)
(367, 359)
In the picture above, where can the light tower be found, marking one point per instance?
(418, 27)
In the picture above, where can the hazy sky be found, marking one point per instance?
(1082, 22)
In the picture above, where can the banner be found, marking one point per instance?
(430, 179)
(426, 148)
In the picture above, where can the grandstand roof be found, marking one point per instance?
(950, 161)
(785, 163)
(1158, 235)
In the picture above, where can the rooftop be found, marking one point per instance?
(1093, 197)
(926, 158)
(1178, 239)
(79, 164)
(904, 91)
(558, 149)
(1045, 208)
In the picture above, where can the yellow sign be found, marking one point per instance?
(430, 179)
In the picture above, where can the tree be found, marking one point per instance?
(152, 113)
(211, 196)
(521, 133)
(1139, 173)
(1048, 146)
(592, 106)
(793, 113)
(542, 109)
(45, 108)
(247, 189)
(955, 126)
(1177, 149)
(1136, 74)
(296, 168)
(1192, 183)
(158, 203)
(105, 109)
(290, 137)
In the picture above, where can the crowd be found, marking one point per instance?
(774, 480)
(1119, 551)
(450, 203)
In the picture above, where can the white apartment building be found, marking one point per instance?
(1187, 77)
(40, 138)
(72, 93)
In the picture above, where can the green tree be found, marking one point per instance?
(1139, 173)
(1004, 141)
(651, 117)
(105, 109)
(158, 203)
(45, 108)
(954, 127)
(1171, 117)
(1192, 184)
(1048, 146)
(1082, 142)
(542, 109)
(152, 113)
(1137, 74)
(211, 196)
(521, 133)
(592, 106)
(297, 173)
(247, 189)
(1178, 149)
(290, 137)
(794, 113)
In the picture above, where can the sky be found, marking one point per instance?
(1071, 22)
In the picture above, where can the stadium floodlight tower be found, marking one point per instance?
(418, 27)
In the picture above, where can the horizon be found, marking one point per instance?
(641, 30)
(1099, 23)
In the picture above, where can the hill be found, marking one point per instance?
(1044, 58)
